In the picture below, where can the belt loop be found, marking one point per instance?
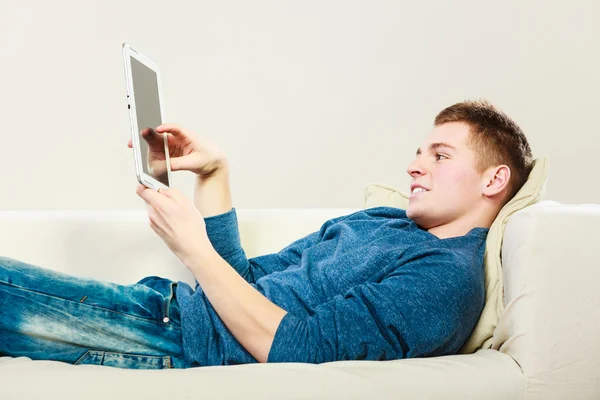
(167, 302)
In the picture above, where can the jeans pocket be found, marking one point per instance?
(124, 360)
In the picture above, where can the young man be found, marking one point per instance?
(378, 284)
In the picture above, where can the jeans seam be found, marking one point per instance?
(165, 360)
(90, 304)
(167, 302)
(82, 357)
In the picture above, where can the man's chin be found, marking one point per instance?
(412, 212)
(417, 217)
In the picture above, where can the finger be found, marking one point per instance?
(152, 197)
(156, 146)
(154, 139)
(174, 129)
(129, 144)
(170, 140)
(156, 229)
(154, 218)
(171, 193)
(139, 189)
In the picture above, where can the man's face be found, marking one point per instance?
(446, 168)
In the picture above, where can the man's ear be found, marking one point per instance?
(495, 180)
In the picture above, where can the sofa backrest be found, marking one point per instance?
(119, 246)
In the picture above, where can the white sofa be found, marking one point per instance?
(547, 340)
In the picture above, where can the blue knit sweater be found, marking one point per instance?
(371, 285)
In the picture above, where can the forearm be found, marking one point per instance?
(250, 317)
(212, 195)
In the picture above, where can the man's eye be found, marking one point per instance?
(439, 155)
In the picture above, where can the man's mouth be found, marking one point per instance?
(418, 191)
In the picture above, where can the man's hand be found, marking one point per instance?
(187, 151)
(178, 223)
(212, 195)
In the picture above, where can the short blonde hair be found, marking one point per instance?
(495, 138)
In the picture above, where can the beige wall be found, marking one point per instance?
(311, 100)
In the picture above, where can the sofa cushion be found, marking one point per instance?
(377, 194)
(489, 375)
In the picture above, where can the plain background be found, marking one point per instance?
(311, 99)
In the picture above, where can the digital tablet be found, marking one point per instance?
(144, 103)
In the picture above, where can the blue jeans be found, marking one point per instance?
(47, 315)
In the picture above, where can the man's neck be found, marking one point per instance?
(461, 226)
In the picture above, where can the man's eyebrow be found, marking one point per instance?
(434, 146)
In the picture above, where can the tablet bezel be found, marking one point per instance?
(142, 177)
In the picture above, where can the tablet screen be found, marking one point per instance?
(147, 110)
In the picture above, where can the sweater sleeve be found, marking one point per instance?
(223, 233)
(428, 306)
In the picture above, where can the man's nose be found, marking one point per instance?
(415, 169)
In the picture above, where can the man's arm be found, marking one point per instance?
(212, 195)
(223, 233)
(249, 316)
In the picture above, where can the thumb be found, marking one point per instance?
(186, 163)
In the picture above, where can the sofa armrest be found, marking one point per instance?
(551, 322)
